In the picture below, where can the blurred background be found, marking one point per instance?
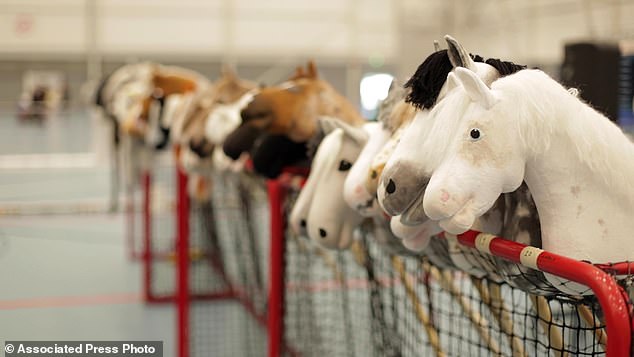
(63, 268)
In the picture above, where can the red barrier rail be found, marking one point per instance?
(182, 262)
(276, 269)
(146, 183)
(611, 296)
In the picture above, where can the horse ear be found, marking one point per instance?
(299, 73)
(358, 134)
(452, 82)
(228, 71)
(475, 87)
(458, 56)
(436, 46)
(311, 69)
(394, 86)
(327, 124)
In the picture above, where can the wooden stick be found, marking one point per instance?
(589, 317)
(545, 317)
(481, 324)
(492, 297)
(432, 333)
(331, 263)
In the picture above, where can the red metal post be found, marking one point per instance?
(182, 263)
(276, 270)
(130, 223)
(605, 288)
(146, 183)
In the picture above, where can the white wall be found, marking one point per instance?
(530, 31)
(40, 26)
(385, 31)
(233, 28)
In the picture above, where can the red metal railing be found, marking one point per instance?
(182, 262)
(610, 295)
(275, 322)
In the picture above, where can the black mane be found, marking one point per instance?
(98, 99)
(429, 78)
(426, 83)
(504, 67)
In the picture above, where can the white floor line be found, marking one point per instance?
(48, 161)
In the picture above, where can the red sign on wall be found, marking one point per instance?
(23, 24)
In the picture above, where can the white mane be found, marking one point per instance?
(543, 107)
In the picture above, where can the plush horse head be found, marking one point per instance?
(111, 85)
(215, 113)
(401, 116)
(290, 109)
(404, 177)
(527, 126)
(356, 191)
(320, 211)
(514, 215)
(172, 91)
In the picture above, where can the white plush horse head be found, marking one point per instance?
(356, 191)
(320, 211)
(576, 163)
(406, 173)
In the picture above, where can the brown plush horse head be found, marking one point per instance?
(204, 127)
(291, 109)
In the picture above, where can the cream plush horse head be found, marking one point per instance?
(320, 211)
(575, 162)
(513, 216)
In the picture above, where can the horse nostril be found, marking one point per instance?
(374, 174)
(391, 187)
(302, 223)
(193, 146)
(322, 233)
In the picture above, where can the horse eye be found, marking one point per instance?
(475, 134)
(344, 165)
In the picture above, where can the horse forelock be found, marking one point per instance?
(426, 82)
(440, 126)
(504, 68)
(430, 76)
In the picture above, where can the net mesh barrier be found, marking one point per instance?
(368, 302)
(134, 218)
(162, 223)
(231, 232)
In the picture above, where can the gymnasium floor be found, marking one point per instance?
(66, 276)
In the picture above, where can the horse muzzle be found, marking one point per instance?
(399, 188)
(202, 148)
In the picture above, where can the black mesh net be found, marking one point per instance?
(366, 302)
(134, 218)
(229, 290)
(161, 251)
